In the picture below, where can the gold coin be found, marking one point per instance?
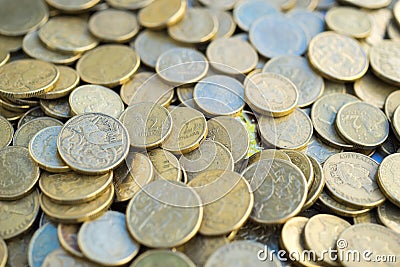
(166, 165)
(57, 108)
(105, 139)
(291, 132)
(185, 96)
(6, 132)
(73, 188)
(266, 190)
(317, 186)
(113, 25)
(396, 123)
(179, 66)
(162, 13)
(24, 102)
(128, 4)
(27, 78)
(357, 121)
(146, 87)
(10, 115)
(219, 5)
(336, 207)
(67, 82)
(4, 56)
(7, 104)
(43, 242)
(60, 257)
(67, 34)
(19, 18)
(171, 200)
(43, 150)
(370, 216)
(189, 129)
(166, 258)
(68, 237)
(271, 94)
(382, 59)
(99, 65)
(349, 21)
(333, 87)
(268, 154)
(303, 163)
(148, 124)
(227, 200)
(3, 253)
(348, 64)
(391, 103)
(30, 115)
(310, 5)
(319, 150)
(72, 6)
(75, 213)
(369, 4)
(389, 215)
(351, 179)
(388, 178)
(10, 43)
(94, 240)
(226, 24)
(245, 13)
(18, 215)
(19, 246)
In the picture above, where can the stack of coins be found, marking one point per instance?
(199, 133)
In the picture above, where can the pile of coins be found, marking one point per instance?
(199, 133)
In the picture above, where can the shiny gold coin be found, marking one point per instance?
(351, 178)
(271, 94)
(19, 18)
(197, 26)
(391, 103)
(227, 200)
(382, 59)
(75, 213)
(112, 25)
(43, 150)
(99, 65)
(94, 237)
(389, 215)
(268, 154)
(356, 121)
(68, 237)
(303, 162)
(146, 87)
(60, 257)
(74, 188)
(10, 115)
(18, 215)
(105, 139)
(57, 108)
(166, 165)
(266, 190)
(172, 200)
(67, 82)
(317, 186)
(348, 64)
(67, 34)
(226, 24)
(388, 178)
(6, 132)
(247, 12)
(10, 43)
(30, 115)
(7, 104)
(23, 102)
(320, 150)
(162, 13)
(3, 253)
(38, 78)
(349, 21)
(148, 124)
(291, 132)
(43, 242)
(129, 4)
(166, 258)
(72, 6)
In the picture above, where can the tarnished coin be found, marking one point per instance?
(349, 21)
(370, 216)
(362, 124)
(271, 206)
(219, 95)
(292, 132)
(94, 240)
(269, 93)
(321, 234)
(178, 66)
(383, 61)
(68, 238)
(43, 150)
(60, 257)
(227, 199)
(3, 253)
(166, 165)
(57, 108)
(95, 98)
(162, 13)
(268, 154)
(189, 128)
(166, 258)
(317, 186)
(105, 139)
(389, 215)
(276, 35)
(10, 115)
(351, 179)
(148, 124)
(175, 202)
(67, 82)
(27, 131)
(129, 4)
(18, 215)
(6, 132)
(31, 114)
(67, 34)
(309, 85)
(246, 13)
(303, 162)
(319, 150)
(388, 178)
(43, 242)
(27, 78)
(72, 6)
(108, 65)
(19, 246)
(348, 64)
(76, 213)
(19, 18)
(391, 103)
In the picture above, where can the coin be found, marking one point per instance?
(267, 154)
(219, 5)
(348, 64)
(351, 178)
(10, 43)
(105, 139)
(4, 57)
(110, 226)
(310, 85)
(68, 238)
(38, 78)
(267, 190)
(7, 104)
(10, 115)
(99, 65)
(319, 150)
(19, 246)
(67, 82)
(166, 165)
(362, 124)
(269, 93)
(396, 123)
(370, 4)
(166, 258)
(291, 132)
(185, 96)
(6, 132)
(349, 21)
(389, 215)
(312, 23)
(219, 95)
(310, 5)
(370, 216)
(72, 7)
(3, 253)
(303, 162)
(246, 13)
(342, 210)
(387, 178)
(270, 36)
(226, 25)
(30, 115)
(162, 13)
(174, 199)
(317, 186)
(179, 66)
(382, 61)
(57, 108)
(128, 4)
(391, 103)
(34, 14)
(60, 257)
